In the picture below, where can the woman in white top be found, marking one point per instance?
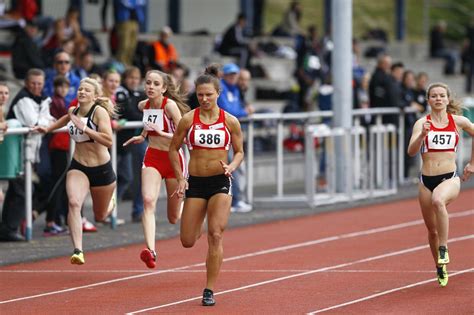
(89, 126)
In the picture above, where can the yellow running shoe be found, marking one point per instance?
(442, 273)
(78, 257)
(443, 255)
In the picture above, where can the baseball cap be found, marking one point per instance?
(230, 68)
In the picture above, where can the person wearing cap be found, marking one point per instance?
(230, 100)
(164, 52)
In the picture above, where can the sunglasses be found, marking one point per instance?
(62, 62)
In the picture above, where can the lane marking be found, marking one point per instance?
(254, 254)
(225, 271)
(369, 297)
(257, 284)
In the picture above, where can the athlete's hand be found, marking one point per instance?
(77, 121)
(40, 129)
(468, 170)
(227, 169)
(182, 187)
(426, 128)
(154, 127)
(135, 140)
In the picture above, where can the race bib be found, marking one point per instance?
(76, 133)
(209, 138)
(154, 116)
(442, 140)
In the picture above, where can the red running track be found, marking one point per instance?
(367, 260)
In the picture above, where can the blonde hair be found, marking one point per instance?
(101, 101)
(172, 91)
(454, 106)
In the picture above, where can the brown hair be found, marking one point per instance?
(454, 106)
(172, 91)
(210, 75)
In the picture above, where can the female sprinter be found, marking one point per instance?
(436, 136)
(89, 126)
(162, 111)
(209, 132)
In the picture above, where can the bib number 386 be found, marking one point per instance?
(209, 138)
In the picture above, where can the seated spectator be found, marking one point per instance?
(439, 49)
(234, 43)
(164, 55)
(25, 52)
(290, 24)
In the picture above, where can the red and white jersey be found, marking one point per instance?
(215, 136)
(441, 139)
(158, 116)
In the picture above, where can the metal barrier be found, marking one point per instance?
(377, 184)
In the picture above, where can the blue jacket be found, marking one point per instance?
(74, 82)
(123, 10)
(230, 101)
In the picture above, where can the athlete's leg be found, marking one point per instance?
(77, 187)
(174, 204)
(218, 210)
(151, 182)
(194, 212)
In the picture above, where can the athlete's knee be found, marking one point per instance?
(214, 238)
(74, 204)
(149, 202)
(438, 203)
(187, 242)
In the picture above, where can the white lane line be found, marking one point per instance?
(364, 260)
(387, 292)
(258, 253)
(224, 271)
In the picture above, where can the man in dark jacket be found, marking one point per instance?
(234, 42)
(25, 53)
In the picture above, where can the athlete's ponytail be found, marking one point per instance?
(211, 75)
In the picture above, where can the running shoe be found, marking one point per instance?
(88, 227)
(208, 298)
(443, 256)
(78, 257)
(54, 230)
(148, 256)
(442, 273)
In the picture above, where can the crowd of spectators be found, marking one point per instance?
(52, 56)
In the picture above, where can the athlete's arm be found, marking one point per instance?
(465, 124)
(237, 142)
(104, 135)
(420, 130)
(61, 122)
(173, 152)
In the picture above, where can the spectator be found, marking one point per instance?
(128, 14)
(4, 95)
(234, 43)
(439, 49)
(380, 82)
(56, 206)
(165, 56)
(31, 108)
(308, 67)
(470, 57)
(230, 100)
(85, 65)
(62, 66)
(290, 24)
(25, 52)
(420, 91)
(130, 158)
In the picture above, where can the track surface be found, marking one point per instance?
(368, 260)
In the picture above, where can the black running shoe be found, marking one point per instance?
(208, 298)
